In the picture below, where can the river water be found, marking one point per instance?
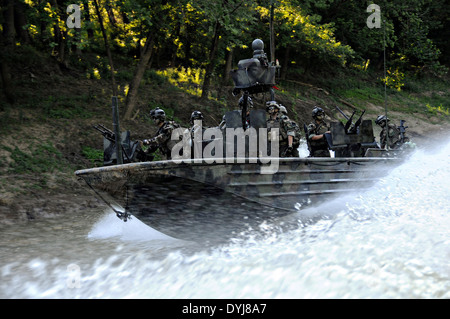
(391, 241)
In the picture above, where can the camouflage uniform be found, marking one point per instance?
(394, 137)
(292, 126)
(162, 139)
(286, 128)
(319, 148)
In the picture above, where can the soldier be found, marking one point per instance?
(223, 124)
(286, 129)
(162, 139)
(295, 127)
(195, 116)
(316, 134)
(395, 140)
(195, 132)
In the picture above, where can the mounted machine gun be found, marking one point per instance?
(352, 139)
(349, 127)
(131, 151)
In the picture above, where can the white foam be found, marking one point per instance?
(110, 226)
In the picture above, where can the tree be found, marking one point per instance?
(225, 17)
(153, 22)
(7, 43)
(107, 48)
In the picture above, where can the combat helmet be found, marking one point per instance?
(283, 109)
(381, 119)
(317, 111)
(271, 105)
(196, 115)
(158, 115)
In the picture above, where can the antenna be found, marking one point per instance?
(272, 36)
(385, 84)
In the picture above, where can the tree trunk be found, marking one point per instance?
(21, 21)
(108, 51)
(210, 65)
(7, 83)
(87, 16)
(7, 43)
(77, 42)
(285, 64)
(188, 45)
(9, 32)
(59, 34)
(138, 74)
(229, 61)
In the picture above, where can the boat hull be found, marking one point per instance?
(160, 193)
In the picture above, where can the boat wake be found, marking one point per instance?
(389, 241)
(109, 226)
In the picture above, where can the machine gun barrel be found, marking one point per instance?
(348, 125)
(107, 133)
(340, 111)
(358, 122)
(349, 122)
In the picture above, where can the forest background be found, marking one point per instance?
(58, 77)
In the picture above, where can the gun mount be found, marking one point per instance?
(255, 75)
(350, 127)
(131, 151)
(352, 139)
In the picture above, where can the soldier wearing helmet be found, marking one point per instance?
(287, 131)
(394, 141)
(196, 126)
(162, 139)
(292, 125)
(316, 134)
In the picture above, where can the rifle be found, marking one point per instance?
(402, 130)
(354, 129)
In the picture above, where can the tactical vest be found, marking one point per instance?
(394, 136)
(167, 143)
(276, 123)
(314, 129)
(291, 128)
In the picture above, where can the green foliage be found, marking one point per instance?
(41, 158)
(95, 156)
(65, 107)
(311, 42)
(311, 35)
(187, 79)
(437, 110)
(394, 79)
